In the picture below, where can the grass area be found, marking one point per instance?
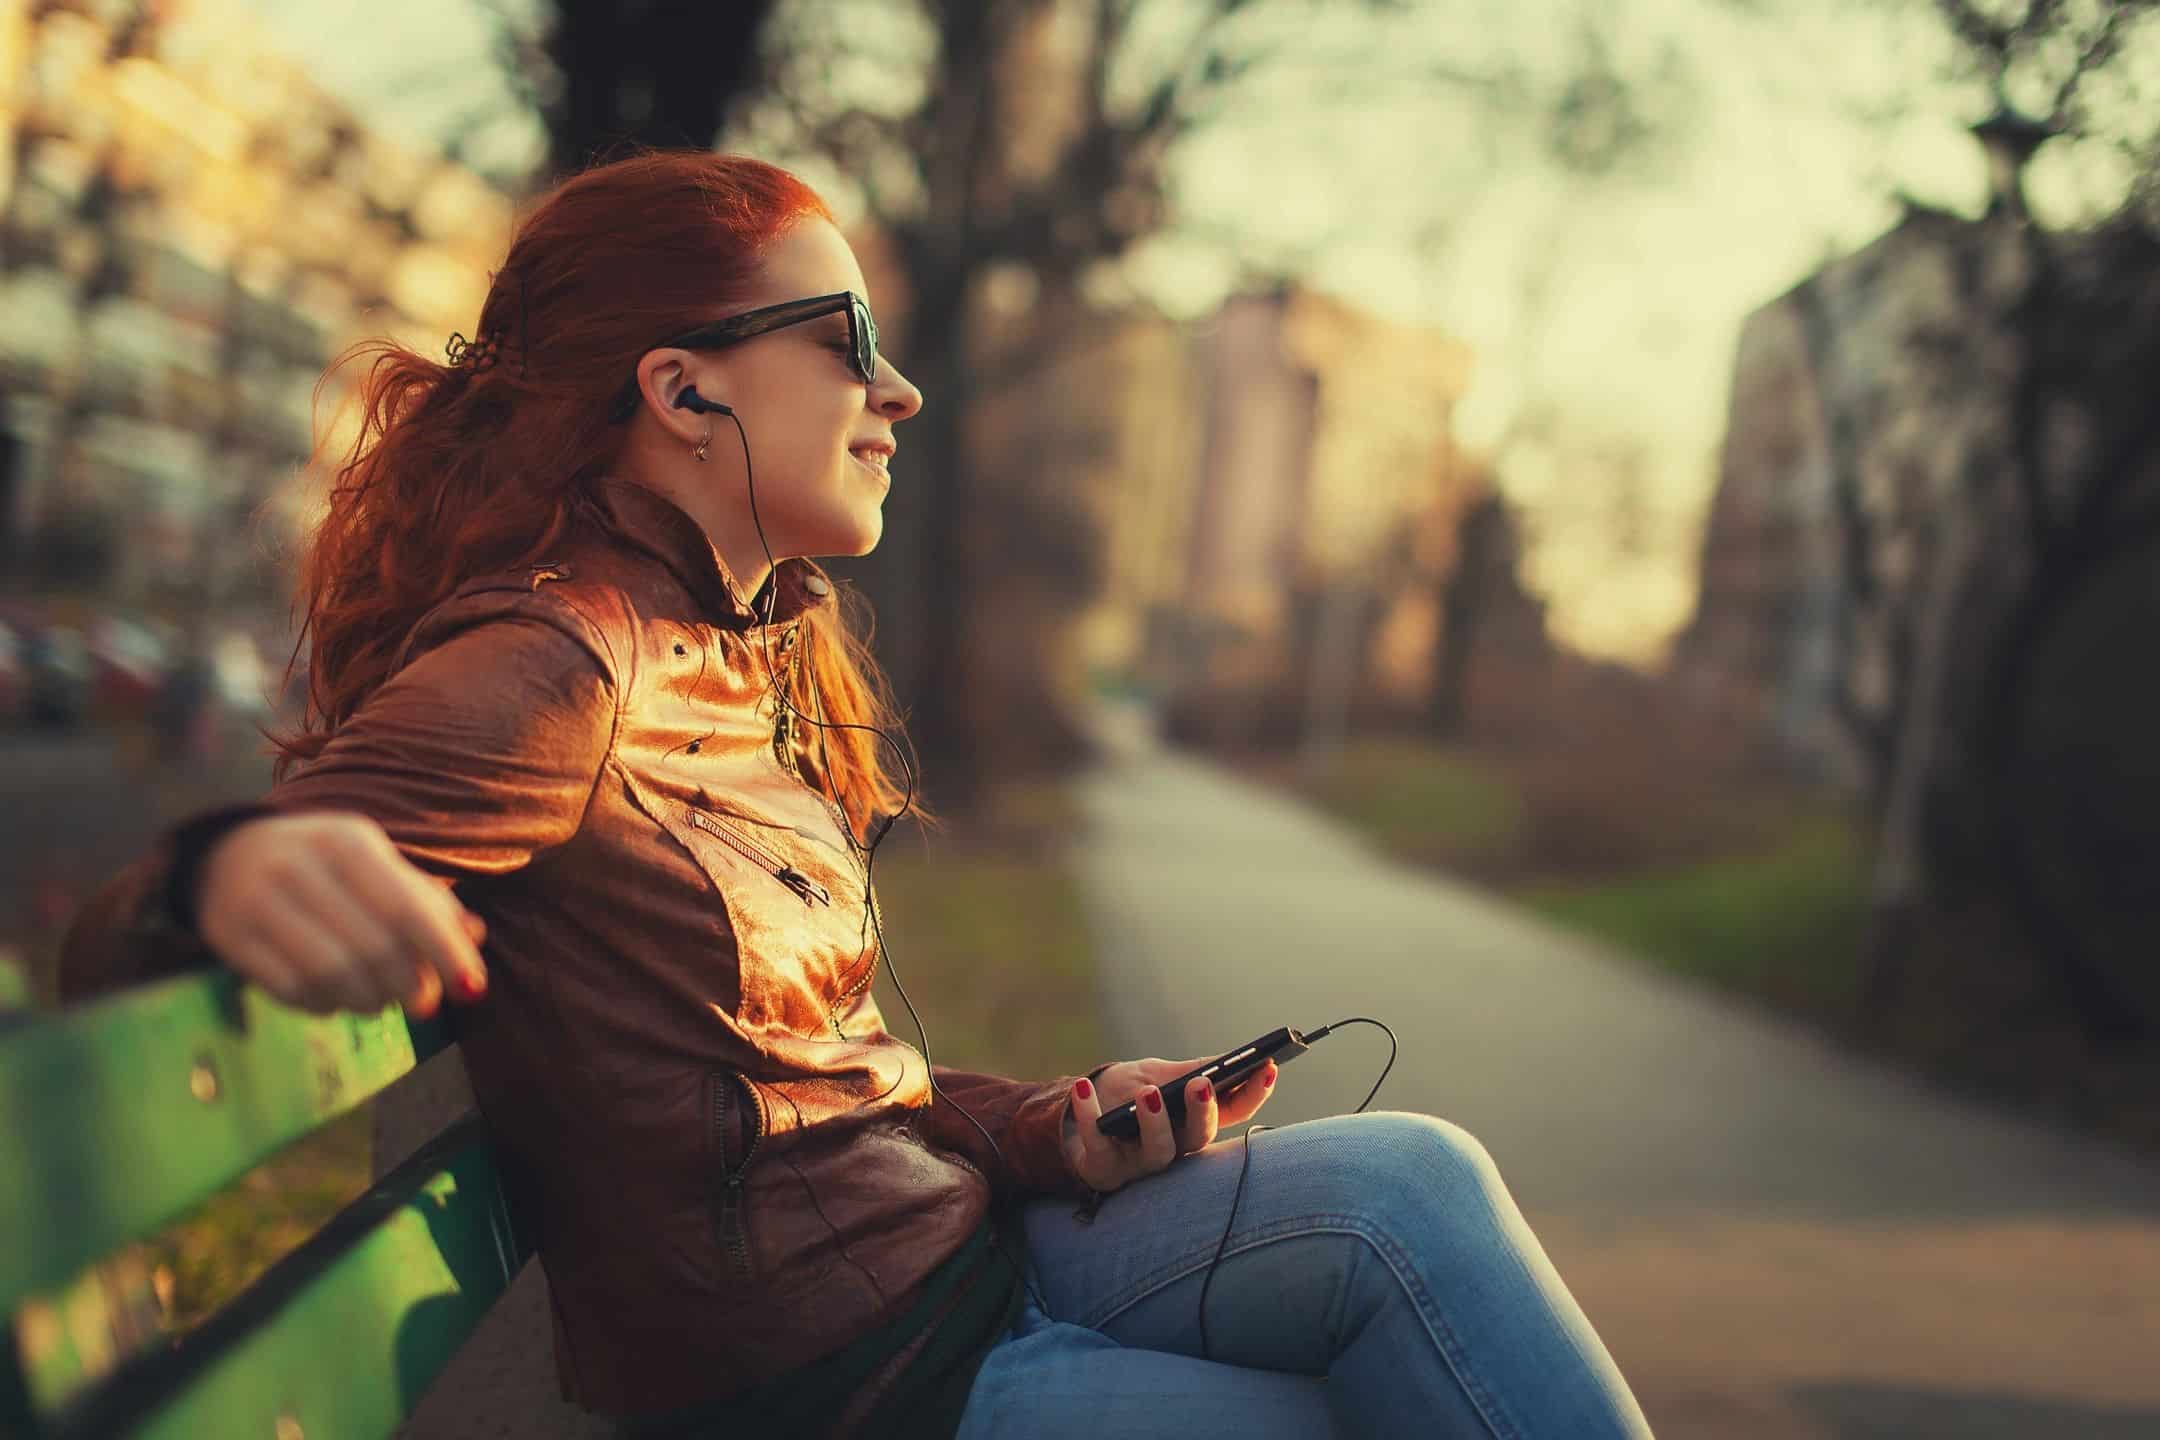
(1425, 802)
(1770, 900)
(1785, 925)
(989, 939)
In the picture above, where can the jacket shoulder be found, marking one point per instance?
(593, 614)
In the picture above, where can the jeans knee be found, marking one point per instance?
(1423, 1170)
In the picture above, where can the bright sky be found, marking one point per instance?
(1408, 195)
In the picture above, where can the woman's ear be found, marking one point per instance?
(661, 376)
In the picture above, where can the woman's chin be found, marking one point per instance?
(867, 535)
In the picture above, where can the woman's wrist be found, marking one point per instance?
(189, 845)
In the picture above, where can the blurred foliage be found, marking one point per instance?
(2043, 55)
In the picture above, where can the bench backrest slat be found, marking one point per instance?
(118, 1116)
(341, 1337)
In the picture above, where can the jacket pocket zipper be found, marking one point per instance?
(734, 1235)
(862, 982)
(764, 859)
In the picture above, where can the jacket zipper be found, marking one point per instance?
(733, 1233)
(839, 816)
(869, 972)
(950, 1154)
(764, 859)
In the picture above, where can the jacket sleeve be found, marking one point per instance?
(1025, 1117)
(481, 752)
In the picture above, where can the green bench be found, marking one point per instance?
(119, 1116)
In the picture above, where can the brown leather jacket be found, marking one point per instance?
(730, 1165)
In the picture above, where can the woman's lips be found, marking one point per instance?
(874, 460)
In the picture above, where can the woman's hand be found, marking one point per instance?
(1105, 1162)
(323, 913)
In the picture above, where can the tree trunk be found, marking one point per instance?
(1464, 595)
(647, 72)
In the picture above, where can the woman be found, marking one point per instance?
(578, 693)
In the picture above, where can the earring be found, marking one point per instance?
(702, 445)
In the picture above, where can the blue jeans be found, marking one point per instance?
(1379, 1281)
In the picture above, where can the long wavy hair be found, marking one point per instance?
(458, 470)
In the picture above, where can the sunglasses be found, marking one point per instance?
(862, 335)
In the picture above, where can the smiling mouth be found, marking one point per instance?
(874, 460)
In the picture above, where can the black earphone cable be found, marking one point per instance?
(785, 702)
(1245, 1164)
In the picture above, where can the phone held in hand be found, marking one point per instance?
(1225, 1072)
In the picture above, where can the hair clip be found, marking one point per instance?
(477, 353)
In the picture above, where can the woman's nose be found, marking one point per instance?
(895, 396)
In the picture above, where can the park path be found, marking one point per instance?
(1778, 1239)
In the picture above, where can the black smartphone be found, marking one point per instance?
(1225, 1072)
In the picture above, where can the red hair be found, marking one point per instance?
(440, 484)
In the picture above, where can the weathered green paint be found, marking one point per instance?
(342, 1337)
(122, 1115)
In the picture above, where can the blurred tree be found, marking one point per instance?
(1022, 138)
(658, 72)
(2043, 58)
(1486, 548)
(1970, 760)
(605, 74)
(1015, 146)
(1605, 127)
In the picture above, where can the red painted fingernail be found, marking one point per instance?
(471, 986)
(1205, 1091)
(1154, 1102)
(1270, 1080)
(1082, 1089)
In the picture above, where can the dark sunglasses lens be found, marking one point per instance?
(865, 342)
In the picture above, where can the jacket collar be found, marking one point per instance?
(651, 522)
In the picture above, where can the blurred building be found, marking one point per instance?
(1932, 571)
(1864, 402)
(1918, 431)
(1325, 509)
(189, 230)
(1206, 505)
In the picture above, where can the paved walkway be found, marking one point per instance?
(1775, 1237)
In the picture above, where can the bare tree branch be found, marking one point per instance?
(2095, 54)
(1988, 39)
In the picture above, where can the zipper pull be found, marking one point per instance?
(803, 885)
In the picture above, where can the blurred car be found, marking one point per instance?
(243, 679)
(57, 662)
(128, 665)
(14, 676)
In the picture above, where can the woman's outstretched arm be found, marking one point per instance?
(334, 892)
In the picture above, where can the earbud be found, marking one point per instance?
(689, 399)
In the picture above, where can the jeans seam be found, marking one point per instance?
(1411, 1283)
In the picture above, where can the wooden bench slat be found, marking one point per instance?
(338, 1340)
(119, 1116)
